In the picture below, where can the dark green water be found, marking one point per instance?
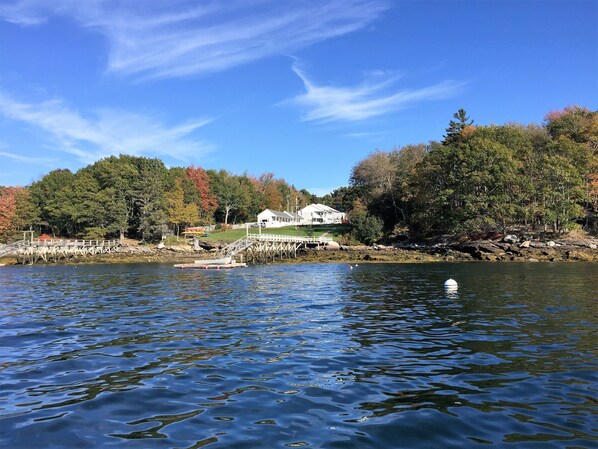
(319, 356)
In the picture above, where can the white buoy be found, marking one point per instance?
(451, 284)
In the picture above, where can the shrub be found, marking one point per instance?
(368, 228)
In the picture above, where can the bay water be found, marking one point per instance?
(301, 355)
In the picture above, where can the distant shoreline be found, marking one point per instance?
(584, 250)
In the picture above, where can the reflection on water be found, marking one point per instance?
(380, 356)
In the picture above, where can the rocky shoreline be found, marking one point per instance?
(512, 249)
(507, 249)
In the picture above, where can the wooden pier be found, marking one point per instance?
(55, 250)
(264, 248)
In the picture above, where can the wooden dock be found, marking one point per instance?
(55, 250)
(264, 248)
(256, 249)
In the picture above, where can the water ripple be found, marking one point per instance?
(144, 356)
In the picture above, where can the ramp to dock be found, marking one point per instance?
(263, 248)
(12, 248)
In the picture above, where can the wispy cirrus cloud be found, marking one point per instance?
(173, 38)
(373, 97)
(105, 132)
(366, 134)
(27, 159)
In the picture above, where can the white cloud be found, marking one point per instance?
(26, 159)
(172, 38)
(106, 132)
(369, 99)
(367, 134)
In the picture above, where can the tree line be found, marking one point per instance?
(476, 181)
(139, 197)
(481, 180)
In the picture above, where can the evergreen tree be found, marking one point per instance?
(148, 194)
(367, 228)
(465, 189)
(454, 132)
(116, 177)
(47, 195)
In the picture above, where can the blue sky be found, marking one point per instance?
(301, 88)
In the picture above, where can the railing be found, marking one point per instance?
(12, 247)
(243, 243)
(288, 238)
(32, 245)
(74, 243)
(232, 249)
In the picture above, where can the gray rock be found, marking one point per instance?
(488, 247)
(525, 244)
(511, 238)
(550, 243)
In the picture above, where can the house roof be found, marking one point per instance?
(322, 208)
(279, 214)
(294, 215)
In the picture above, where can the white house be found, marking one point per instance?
(275, 219)
(321, 214)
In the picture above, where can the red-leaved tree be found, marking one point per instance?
(8, 207)
(207, 201)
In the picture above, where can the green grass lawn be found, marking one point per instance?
(334, 231)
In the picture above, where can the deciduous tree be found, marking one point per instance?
(206, 199)
(178, 212)
(8, 207)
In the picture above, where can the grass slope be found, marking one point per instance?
(335, 231)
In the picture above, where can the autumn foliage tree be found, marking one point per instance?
(206, 199)
(178, 212)
(8, 207)
(477, 180)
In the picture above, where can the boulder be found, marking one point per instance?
(489, 247)
(504, 246)
(179, 249)
(479, 250)
(511, 238)
(550, 243)
(207, 245)
(525, 244)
